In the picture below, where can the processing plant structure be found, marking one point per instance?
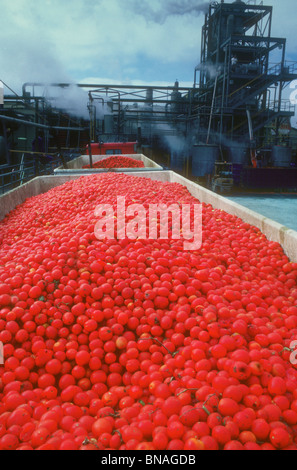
(235, 112)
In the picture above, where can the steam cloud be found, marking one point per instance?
(35, 38)
(29, 55)
(176, 143)
(72, 100)
(169, 8)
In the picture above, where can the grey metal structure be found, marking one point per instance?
(234, 109)
(240, 85)
(141, 112)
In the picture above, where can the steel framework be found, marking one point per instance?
(240, 87)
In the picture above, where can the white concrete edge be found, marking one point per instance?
(41, 184)
(79, 162)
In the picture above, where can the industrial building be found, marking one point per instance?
(235, 112)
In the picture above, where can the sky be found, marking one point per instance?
(145, 42)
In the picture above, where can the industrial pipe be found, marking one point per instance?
(40, 126)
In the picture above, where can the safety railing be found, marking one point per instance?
(281, 106)
(257, 83)
(31, 164)
(288, 66)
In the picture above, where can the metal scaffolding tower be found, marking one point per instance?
(240, 85)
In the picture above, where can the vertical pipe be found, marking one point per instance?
(223, 97)
(68, 135)
(46, 133)
(36, 121)
(219, 37)
(7, 156)
(228, 74)
(212, 108)
(63, 160)
(90, 155)
(1, 95)
(22, 173)
(250, 125)
(280, 95)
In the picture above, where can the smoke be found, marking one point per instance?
(175, 143)
(165, 9)
(27, 55)
(71, 99)
(32, 60)
(53, 42)
(210, 69)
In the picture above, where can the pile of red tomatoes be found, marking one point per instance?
(117, 162)
(138, 344)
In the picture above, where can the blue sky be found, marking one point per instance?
(112, 41)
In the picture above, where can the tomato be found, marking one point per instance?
(228, 407)
(234, 445)
(39, 437)
(137, 343)
(280, 438)
(175, 430)
(9, 442)
(117, 162)
(100, 426)
(261, 429)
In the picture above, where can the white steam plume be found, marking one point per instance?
(176, 143)
(29, 56)
(169, 8)
(71, 99)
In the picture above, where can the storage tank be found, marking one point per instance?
(239, 154)
(204, 158)
(176, 98)
(3, 151)
(281, 156)
(176, 161)
(108, 124)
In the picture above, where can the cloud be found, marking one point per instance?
(78, 38)
(160, 11)
(284, 23)
(56, 40)
(27, 51)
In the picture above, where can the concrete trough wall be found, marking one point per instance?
(273, 230)
(42, 184)
(80, 162)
